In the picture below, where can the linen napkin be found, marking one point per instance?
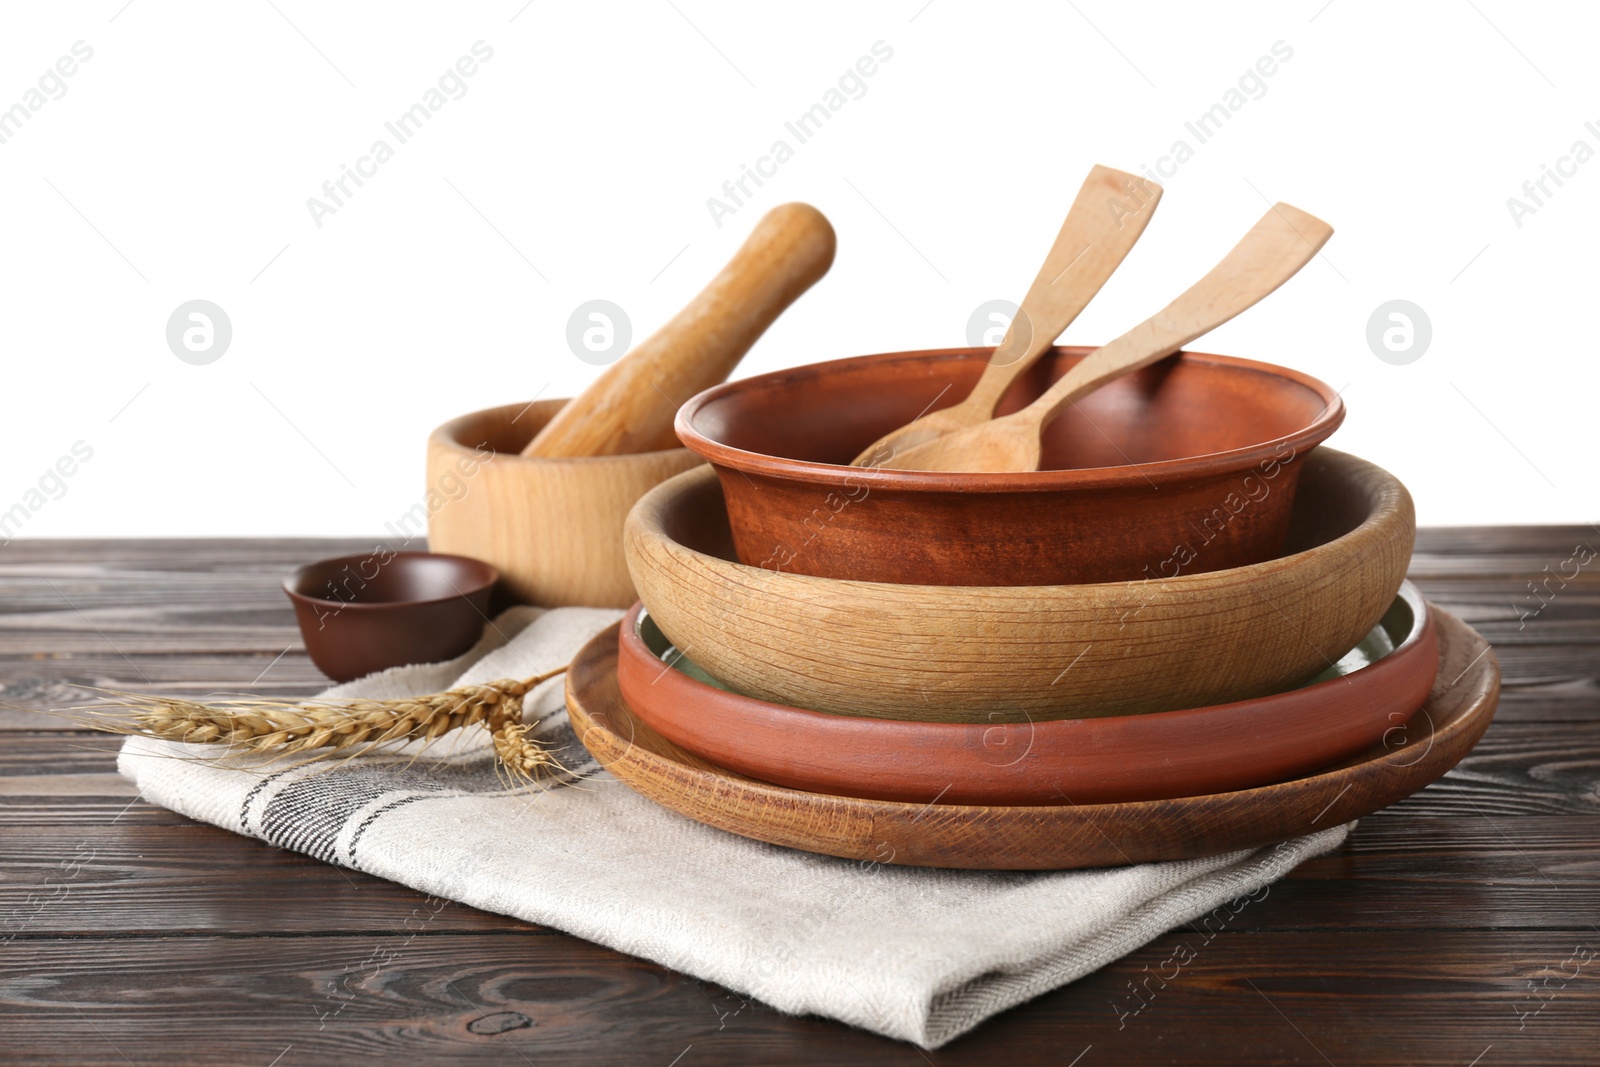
(915, 954)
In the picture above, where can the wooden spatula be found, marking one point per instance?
(1110, 212)
(630, 407)
(1275, 248)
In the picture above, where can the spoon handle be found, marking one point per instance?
(1106, 219)
(1270, 254)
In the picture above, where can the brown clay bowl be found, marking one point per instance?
(1014, 653)
(1373, 689)
(553, 527)
(381, 609)
(1186, 466)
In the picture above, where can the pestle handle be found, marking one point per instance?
(630, 407)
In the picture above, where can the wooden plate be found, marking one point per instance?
(1347, 709)
(933, 834)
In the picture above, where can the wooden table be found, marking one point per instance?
(1459, 927)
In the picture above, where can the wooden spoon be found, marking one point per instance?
(1094, 240)
(630, 407)
(1270, 254)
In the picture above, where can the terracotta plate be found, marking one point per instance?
(1373, 689)
(933, 833)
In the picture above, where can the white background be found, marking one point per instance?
(179, 161)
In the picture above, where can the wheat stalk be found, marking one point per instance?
(325, 728)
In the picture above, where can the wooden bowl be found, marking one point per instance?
(552, 526)
(1187, 466)
(369, 612)
(1373, 689)
(1014, 653)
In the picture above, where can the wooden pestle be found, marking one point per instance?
(630, 407)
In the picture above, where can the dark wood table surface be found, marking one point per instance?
(1459, 927)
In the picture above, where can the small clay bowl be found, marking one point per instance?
(1373, 689)
(1196, 446)
(365, 613)
(553, 527)
(1020, 652)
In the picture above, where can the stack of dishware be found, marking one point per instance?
(1033, 606)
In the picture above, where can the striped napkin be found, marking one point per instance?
(915, 954)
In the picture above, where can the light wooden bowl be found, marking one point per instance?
(1014, 653)
(553, 527)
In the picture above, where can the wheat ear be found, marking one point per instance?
(356, 724)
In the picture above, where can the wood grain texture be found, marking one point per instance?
(1521, 769)
(630, 407)
(552, 526)
(179, 617)
(1009, 653)
(1283, 241)
(1284, 997)
(1107, 218)
(136, 877)
(152, 873)
(1414, 943)
(938, 834)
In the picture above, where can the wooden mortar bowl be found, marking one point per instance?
(1014, 653)
(553, 527)
(1200, 450)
